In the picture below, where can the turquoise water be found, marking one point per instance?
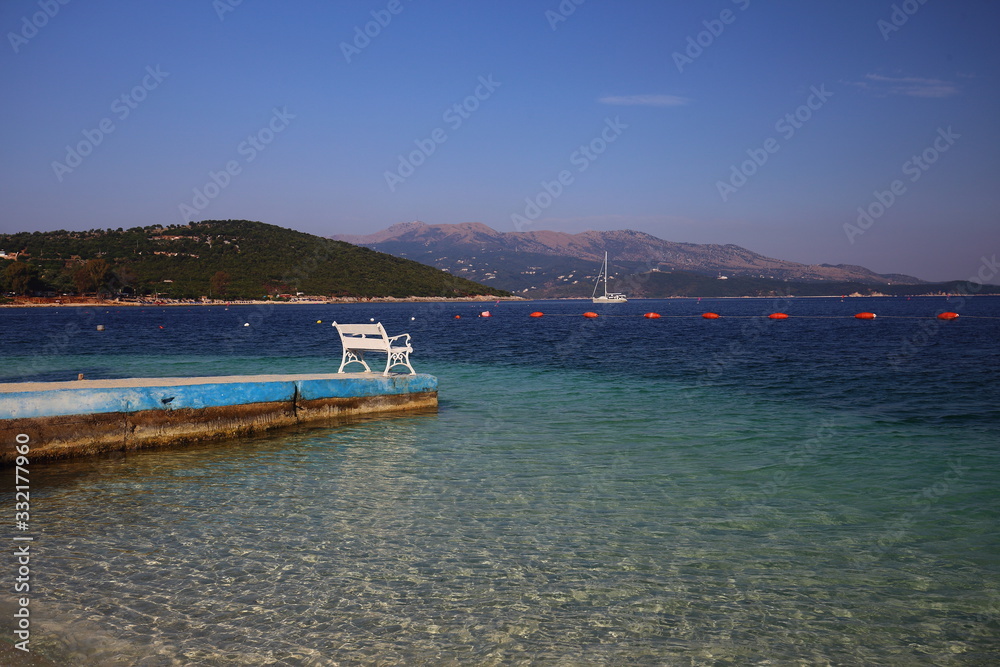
(620, 491)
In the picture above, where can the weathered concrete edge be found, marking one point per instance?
(73, 435)
(63, 399)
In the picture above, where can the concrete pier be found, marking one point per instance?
(84, 417)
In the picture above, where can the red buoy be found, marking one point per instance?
(458, 317)
(652, 316)
(778, 316)
(590, 313)
(947, 316)
(865, 316)
(537, 313)
(710, 316)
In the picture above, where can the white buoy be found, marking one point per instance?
(246, 324)
(100, 327)
(412, 318)
(372, 319)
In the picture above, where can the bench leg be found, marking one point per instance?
(351, 357)
(398, 359)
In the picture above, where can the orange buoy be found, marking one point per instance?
(865, 316)
(458, 317)
(778, 316)
(590, 313)
(710, 316)
(652, 316)
(537, 313)
(947, 316)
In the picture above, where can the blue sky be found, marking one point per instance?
(764, 124)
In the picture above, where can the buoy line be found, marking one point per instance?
(774, 316)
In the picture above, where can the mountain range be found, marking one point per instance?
(549, 263)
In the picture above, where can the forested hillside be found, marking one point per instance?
(231, 259)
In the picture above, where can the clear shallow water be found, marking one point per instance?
(618, 491)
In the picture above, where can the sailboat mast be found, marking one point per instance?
(614, 297)
(597, 283)
(605, 273)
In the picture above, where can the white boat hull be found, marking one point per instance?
(610, 298)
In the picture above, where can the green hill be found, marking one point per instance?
(233, 259)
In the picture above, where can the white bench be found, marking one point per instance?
(360, 338)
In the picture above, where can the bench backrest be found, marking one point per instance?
(363, 336)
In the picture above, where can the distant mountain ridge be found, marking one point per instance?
(482, 254)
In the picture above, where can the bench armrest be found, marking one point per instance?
(392, 339)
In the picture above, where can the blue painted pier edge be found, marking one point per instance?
(70, 419)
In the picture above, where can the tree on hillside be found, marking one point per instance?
(58, 278)
(81, 280)
(124, 277)
(92, 276)
(19, 276)
(97, 270)
(220, 283)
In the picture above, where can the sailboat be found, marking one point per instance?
(608, 297)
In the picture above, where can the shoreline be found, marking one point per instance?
(79, 302)
(434, 299)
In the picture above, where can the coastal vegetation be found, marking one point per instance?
(669, 284)
(220, 259)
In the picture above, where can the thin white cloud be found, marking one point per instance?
(909, 86)
(645, 100)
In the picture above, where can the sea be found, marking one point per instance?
(619, 490)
